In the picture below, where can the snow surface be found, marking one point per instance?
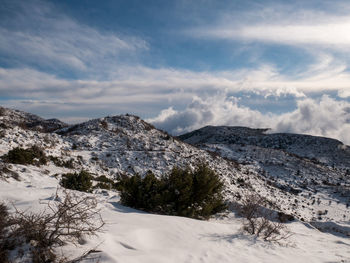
(134, 236)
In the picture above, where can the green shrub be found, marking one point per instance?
(195, 194)
(58, 162)
(100, 185)
(104, 182)
(145, 194)
(103, 179)
(33, 155)
(80, 182)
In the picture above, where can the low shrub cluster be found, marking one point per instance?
(195, 194)
(4, 223)
(77, 181)
(58, 162)
(33, 155)
(259, 221)
(38, 235)
(104, 183)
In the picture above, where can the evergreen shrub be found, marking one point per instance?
(74, 181)
(33, 155)
(195, 194)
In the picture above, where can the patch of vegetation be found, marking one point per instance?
(77, 181)
(100, 185)
(5, 172)
(33, 155)
(104, 124)
(94, 158)
(4, 223)
(58, 162)
(38, 236)
(259, 221)
(2, 111)
(104, 182)
(195, 194)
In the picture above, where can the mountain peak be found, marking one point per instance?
(10, 118)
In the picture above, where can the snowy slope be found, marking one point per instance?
(315, 168)
(11, 118)
(126, 144)
(325, 150)
(134, 236)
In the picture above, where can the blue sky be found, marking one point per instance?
(181, 64)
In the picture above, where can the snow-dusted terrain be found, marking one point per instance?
(134, 236)
(125, 144)
(316, 168)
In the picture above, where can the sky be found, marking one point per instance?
(181, 64)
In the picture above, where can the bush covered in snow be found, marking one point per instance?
(37, 237)
(33, 155)
(259, 220)
(195, 194)
(77, 181)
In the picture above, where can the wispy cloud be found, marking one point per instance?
(155, 89)
(41, 37)
(287, 24)
(328, 34)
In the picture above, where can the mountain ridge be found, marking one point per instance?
(324, 149)
(125, 144)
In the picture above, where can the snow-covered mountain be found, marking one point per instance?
(305, 176)
(325, 150)
(315, 167)
(13, 118)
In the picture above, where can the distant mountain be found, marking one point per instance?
(10, 118)
(301, 185)
(325, 150)
(304, 165)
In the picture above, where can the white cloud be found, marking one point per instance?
(216, 110)
(287, 23)
(40, 36)
(325, 34)
(145, 85)
(324, 117)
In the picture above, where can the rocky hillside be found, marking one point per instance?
(13, 118)
(325, 150)
(315, 167)
(125, 144)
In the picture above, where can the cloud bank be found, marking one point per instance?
(322, 117)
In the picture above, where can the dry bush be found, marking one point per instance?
(65, 220)
(258, 220)
(3, 232)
